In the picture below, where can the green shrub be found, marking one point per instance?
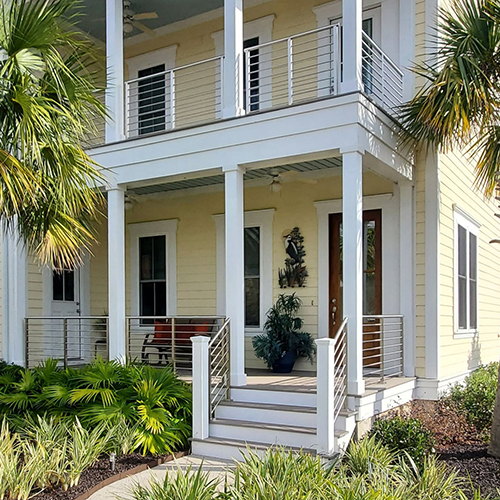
(476, 396)
(152, 403)
(404, 435)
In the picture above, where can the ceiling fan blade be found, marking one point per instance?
(144, 28)
(144, 16)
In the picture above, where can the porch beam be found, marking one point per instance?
(232, 81)
(352, 47)
(115, 101)
(235, 273)
(116, 273)
(352, 182)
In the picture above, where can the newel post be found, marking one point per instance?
(201, 387)
(325, 393)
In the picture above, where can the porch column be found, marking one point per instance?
(235, 272)
(15, 296)
(116, 273)
(352, 21)
(232, 84)
(407, 273)
(115, 101)
(352, 182)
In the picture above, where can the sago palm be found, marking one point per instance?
(49, 104)
(458, 105)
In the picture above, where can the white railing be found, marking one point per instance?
(180, 97)
(382, 79)
(331, 386)
(291, 70)
(219, 363)
(382, 347)
(72, 340)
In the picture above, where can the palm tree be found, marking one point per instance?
(459, 104)
(49, 104)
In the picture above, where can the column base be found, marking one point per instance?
(356, 388)
(238, 379)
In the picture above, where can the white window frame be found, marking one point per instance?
(167, 228)
(264, 220)
(463, 219)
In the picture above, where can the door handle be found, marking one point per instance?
(334, 311)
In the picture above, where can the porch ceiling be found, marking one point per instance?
(262, 173)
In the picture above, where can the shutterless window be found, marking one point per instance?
(152, 100)
(467, 279)
(153, 276)
(252, 277)
(253, 61)
(63, 285)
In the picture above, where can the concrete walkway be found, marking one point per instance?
(123, 488)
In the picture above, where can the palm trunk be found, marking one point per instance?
(494, 448)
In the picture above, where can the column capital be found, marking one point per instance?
(200, 340)
(115, 187)
(234, 168)
(352, 149)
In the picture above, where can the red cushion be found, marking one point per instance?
(202, 328)
(163, 332)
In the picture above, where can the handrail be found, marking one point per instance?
(340, 369)
(373, 44)
(341, 329)
(219, 363)
(226, 323)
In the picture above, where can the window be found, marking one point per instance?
(254, 62)
(252, 277)
(466, 231)
(152, 100)
(63, 285)
(153, 276)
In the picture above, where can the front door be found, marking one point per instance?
(66, 304)
(372, 281)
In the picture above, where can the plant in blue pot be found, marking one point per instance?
(283, 340)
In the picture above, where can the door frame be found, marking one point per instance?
(389, 204)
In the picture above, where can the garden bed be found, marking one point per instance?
(100, 475)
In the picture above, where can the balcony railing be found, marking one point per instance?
(180, 97)
(382, 347)
(73, 340)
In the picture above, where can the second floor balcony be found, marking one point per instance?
(155, 92)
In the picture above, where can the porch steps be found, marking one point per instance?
(258, 418)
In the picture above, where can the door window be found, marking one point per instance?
(252, 276)
(253, 61)
(63, 285)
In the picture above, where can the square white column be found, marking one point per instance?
(115, 102)
(232, 84)
(352, 21)
(235, 271)
(407, 274)
(15, 296)
(116, 273)
(352, 251)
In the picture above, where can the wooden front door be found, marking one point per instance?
(372, 280)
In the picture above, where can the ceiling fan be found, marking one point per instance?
(133, 20)
(278, 178)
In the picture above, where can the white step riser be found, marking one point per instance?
(274, 397)
(263, 435)
(221, 451)
(278, 417)
(345, 423)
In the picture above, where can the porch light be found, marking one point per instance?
(112, 461)
(276, 186)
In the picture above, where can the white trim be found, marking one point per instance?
(167, 228)
(389, 204)
(255, 218)
(471, 226)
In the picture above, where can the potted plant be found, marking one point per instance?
(283, 341)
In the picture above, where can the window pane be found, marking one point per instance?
(146, 258)
(473, 280)
(252, 251)
(159, 271)
(57, 286)
(252, 302)
(462, 251)
(69, 286)
(472, 256)
(462, 302)
(369, 305)
(147, 299)
(152, 100)
(254, 75)
(473, 303)
(161, 299)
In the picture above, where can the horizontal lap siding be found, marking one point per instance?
(458, 355)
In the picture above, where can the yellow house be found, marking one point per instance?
(239, 132)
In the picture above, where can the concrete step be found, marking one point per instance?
(233, 449)
(270, 434)
(302, 416)
(280, 396)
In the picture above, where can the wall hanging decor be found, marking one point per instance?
(295, 273)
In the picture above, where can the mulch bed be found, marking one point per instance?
(457, 443)
(100, 475)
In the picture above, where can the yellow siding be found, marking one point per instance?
(35, 288)
(457, 355)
